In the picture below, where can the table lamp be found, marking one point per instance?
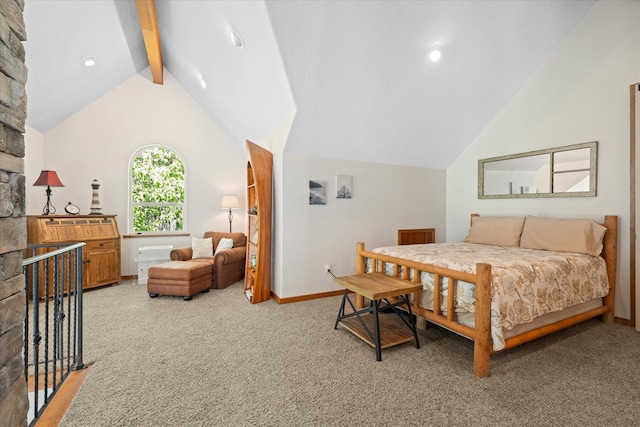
(50, 179)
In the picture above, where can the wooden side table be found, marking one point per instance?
(378, 287)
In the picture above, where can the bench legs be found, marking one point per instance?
(374, 309)
(376, 329)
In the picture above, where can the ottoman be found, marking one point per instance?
(179, 278)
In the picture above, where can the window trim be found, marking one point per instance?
(131, 204)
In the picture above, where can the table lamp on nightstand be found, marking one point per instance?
(230, 201)
(50, 179)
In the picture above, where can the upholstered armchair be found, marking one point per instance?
(228, 265)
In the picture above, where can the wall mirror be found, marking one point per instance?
(568, 171)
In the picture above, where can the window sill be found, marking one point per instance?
(143, 235)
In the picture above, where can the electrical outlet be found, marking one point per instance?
(327, 268)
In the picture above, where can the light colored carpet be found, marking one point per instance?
(219, 361)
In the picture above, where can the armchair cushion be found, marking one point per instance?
(224, 244)
(202, 248)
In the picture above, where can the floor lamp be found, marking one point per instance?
(230, 201)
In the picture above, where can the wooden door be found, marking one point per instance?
(101, 263)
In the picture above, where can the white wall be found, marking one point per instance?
(98, 142)
(34, 163)
(275, 142)
(385, 198)
(580, 94)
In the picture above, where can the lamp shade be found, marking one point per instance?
(48, 178)
(230, 201)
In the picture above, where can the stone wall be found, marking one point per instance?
(13, 230)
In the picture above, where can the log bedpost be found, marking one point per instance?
(482, 339)
(611, 258)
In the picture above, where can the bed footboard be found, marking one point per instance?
(480, 334)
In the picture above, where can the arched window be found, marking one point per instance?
(157, 191)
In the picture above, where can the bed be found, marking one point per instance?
(514, 279)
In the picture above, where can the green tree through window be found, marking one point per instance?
(157, 190)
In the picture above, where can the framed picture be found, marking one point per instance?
(343, 187)
(317, 192)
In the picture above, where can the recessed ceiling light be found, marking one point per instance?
(434, 54)
(89, 61)
(235, 38)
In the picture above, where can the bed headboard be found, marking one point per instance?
(610, 255)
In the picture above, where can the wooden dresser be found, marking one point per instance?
(101, 255)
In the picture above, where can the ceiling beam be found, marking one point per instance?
(151, 36)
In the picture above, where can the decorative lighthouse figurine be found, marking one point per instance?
(95, 199)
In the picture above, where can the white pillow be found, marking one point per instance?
(224, 244)
(202, 248)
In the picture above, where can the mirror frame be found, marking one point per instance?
(593, 161)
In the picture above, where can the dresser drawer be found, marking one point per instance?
(101, 245)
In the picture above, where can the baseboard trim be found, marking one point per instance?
(305, 297)
(621, 321)
(131, 277)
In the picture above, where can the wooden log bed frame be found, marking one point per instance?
(481, 332)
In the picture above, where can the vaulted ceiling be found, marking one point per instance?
(354, 72)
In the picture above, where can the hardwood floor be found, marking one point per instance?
(59, 404)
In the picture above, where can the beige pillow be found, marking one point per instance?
(202, 248)
(581, 235)
(224, 244)
(496, 230)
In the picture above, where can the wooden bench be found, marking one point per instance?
(366, 323)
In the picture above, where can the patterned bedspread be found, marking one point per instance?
(525, 283)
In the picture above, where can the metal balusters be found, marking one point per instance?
(50, 278)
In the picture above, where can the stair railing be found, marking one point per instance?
(53, 319)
